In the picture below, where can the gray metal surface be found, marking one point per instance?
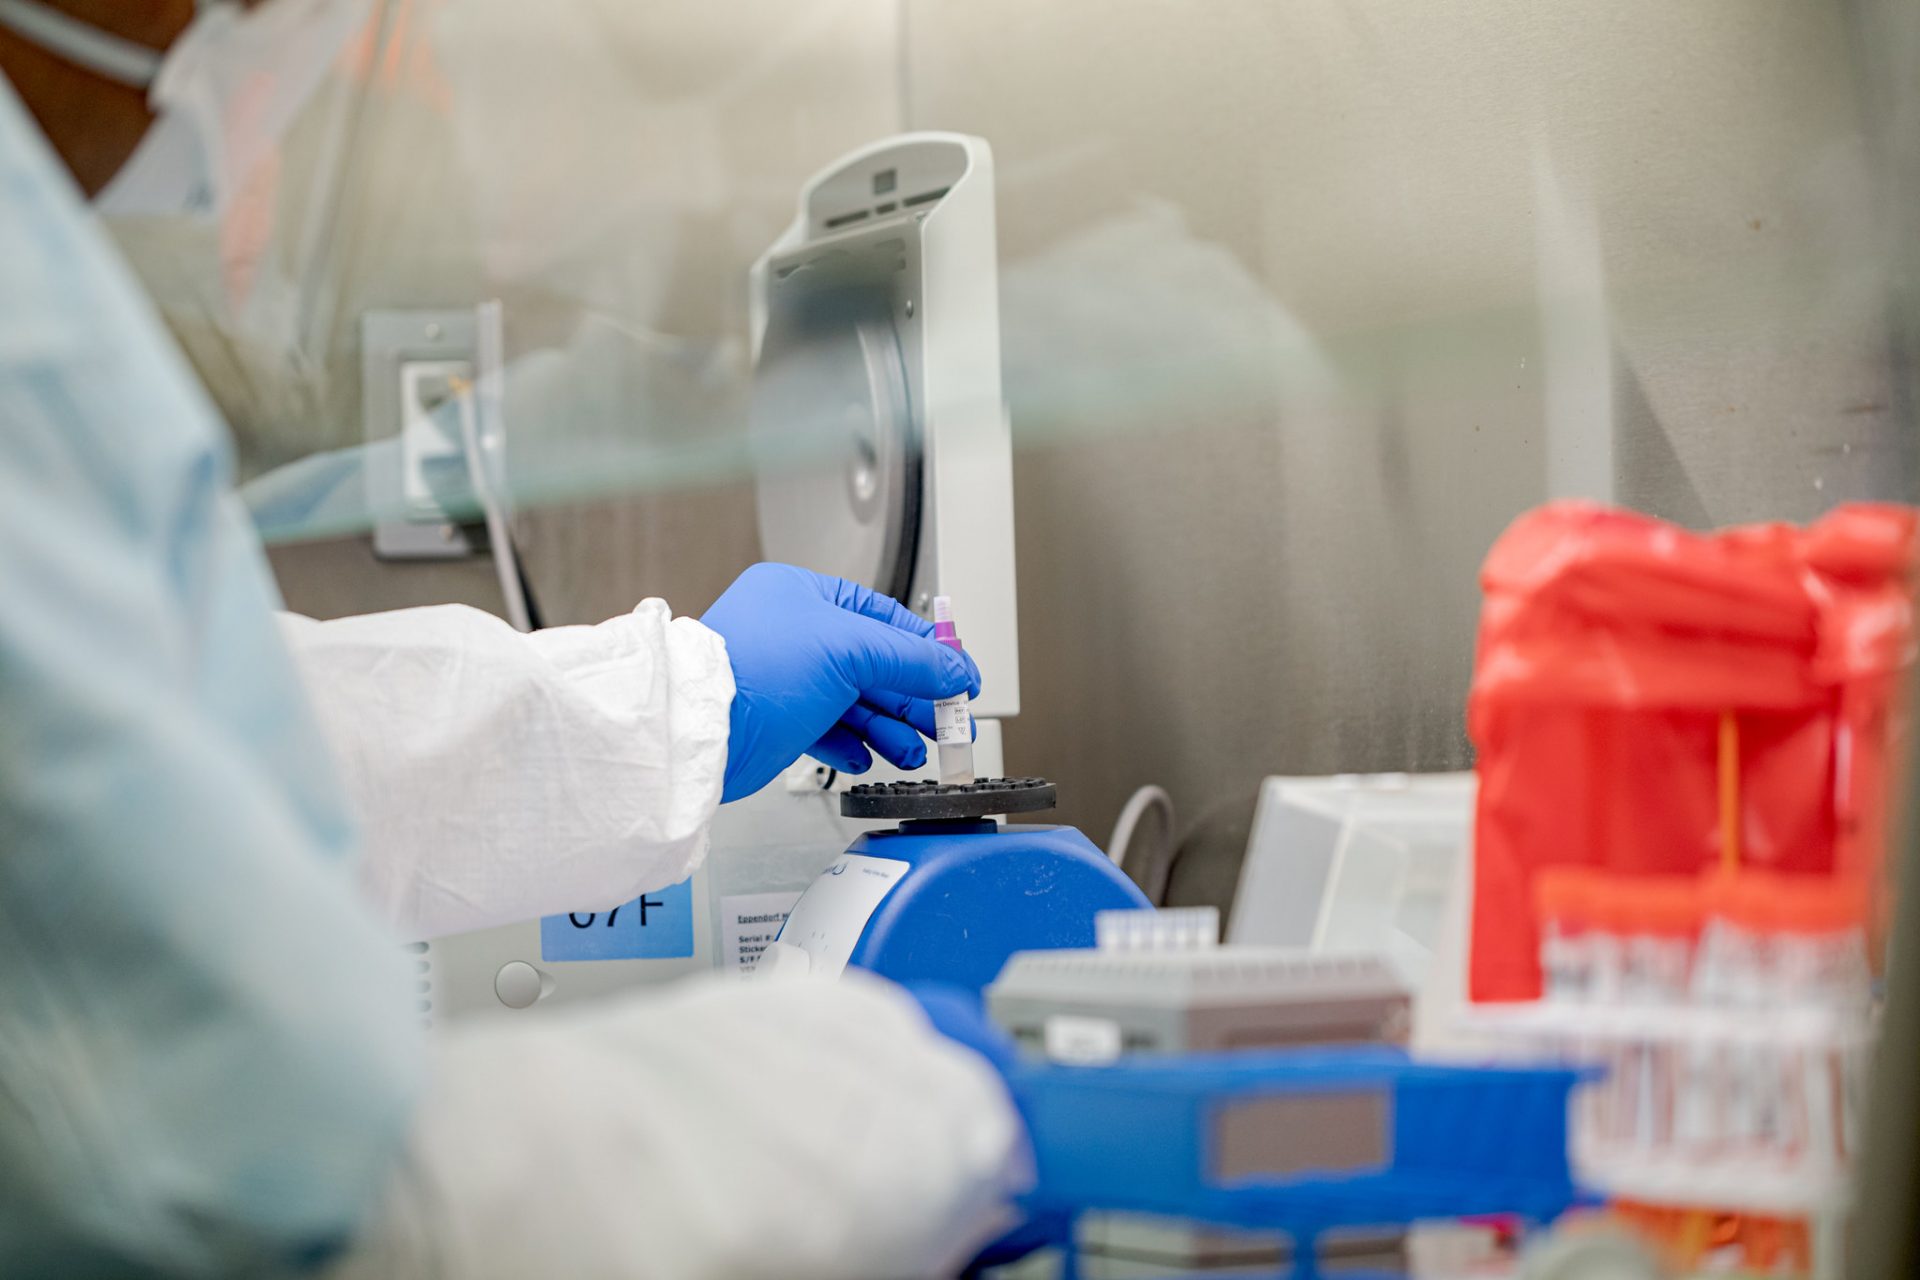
(839, 489)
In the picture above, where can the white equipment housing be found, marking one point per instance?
(884, 457)
(884, 447)
(1375, 863)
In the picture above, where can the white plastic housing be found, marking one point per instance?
(933, 191)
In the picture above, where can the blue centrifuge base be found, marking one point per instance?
(978, 891)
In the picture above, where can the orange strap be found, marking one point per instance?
(1729, 791)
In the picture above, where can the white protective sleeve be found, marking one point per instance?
(499, 777)
(717, 1128)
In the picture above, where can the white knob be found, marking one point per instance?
(519, 984)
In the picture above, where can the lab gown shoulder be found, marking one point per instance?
(208, 1055)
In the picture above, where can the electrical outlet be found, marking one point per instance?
(410, 362)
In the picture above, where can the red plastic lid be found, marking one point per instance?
(1573, 896)
(1777, 902)
(1668, 906)
(1740, 898)
(1820, 904)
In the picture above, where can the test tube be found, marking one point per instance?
(953, 724)
(1660, 921)
(1819, 961)
(1564, 900)
(1734, 970)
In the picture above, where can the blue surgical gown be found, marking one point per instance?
(208, 1052)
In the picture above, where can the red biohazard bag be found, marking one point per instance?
(1650, 700)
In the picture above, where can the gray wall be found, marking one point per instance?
(1304, 303)
(1623, 251)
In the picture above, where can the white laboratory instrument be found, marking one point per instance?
(1375, 863)
(1157, 983)
(883, 455)
(885, 451)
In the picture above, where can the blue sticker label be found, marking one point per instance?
(654, 926)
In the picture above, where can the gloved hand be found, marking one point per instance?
(828, 668)
(958, 1015)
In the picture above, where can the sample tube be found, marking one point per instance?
(952, 723)
(1820, 961)
(1568, 902)
(1734, 970)
(1565, 899)
(1660, 921)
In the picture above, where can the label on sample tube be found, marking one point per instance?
(953, 727)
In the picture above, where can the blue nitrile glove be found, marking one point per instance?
(828, 668)
(957, 1014)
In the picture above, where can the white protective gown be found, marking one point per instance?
(499, 776)
(207, 1063)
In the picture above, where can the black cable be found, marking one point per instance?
(534, 620)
